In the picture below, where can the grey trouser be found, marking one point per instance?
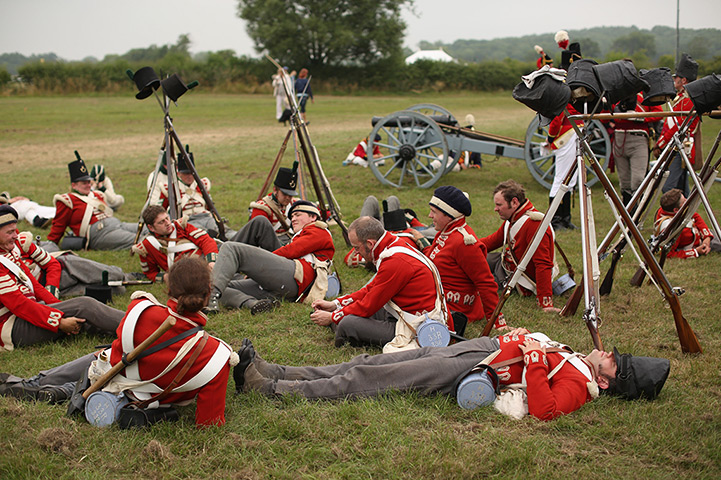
(496, 264)
(112, 234)
(269, 275)
(259, 232)
(99, 318)
(425, 370)
(630, 152)
(79, 272)
(206, 222)
(371, 208)
(66, 374)
(677, 176)
(379, 329)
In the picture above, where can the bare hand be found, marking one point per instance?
(656, 152)
(705, 246)
(321, 318)
(211, 265)
(71, 325)
(531, 344)
(324, 305)
(416, 234)
(506, 328)
(518, 331)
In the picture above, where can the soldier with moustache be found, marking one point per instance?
(169, 241)
(29, 313)
(87, 213)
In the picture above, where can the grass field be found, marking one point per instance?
(235, 139)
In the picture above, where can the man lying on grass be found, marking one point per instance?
(556, 382)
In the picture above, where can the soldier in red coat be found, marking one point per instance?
(170, 241)
(695, 239)
(87, 213)
(558, 381)
(521, 220)
(194, 366)
(460, 257)
(405, 289)
(29, 313)
(686, 71)
(295, 272)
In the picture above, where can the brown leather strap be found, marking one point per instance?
(189, 363)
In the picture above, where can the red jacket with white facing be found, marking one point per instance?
(313, 239)
(66, 216)
(401, 278)
(564, 393)
(468, 283)
(690, 237)
(38, 260)
(210, 407)
(540, 268)
(261, 209)
(153, 261)
(561, 124)
(17, 300)
(191, 198)
(681, 103)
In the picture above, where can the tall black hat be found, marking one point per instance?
(705, 93)
(78, 171)
(570, 55)
(182, 164)
(395, 220)
(638, 377)
(287, 180)
(583, 82)
(687, 68)
(661, 82)
(548, 97)
(620, 80)
(146, 80)
(174, 87)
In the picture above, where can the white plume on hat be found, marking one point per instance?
(470, 119)
(538, 49)
(561, 35)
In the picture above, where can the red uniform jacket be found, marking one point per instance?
(540, 268)
(560, 125)
(690, 237)
(210, 408)
(38, 260)
(261, 208)
(680, 104)
(401, 278)
(17, 300)
(66, 216)
(313, 239)
(191, 199)
(153, 261)
(564, 393)
(467, 280)
(641, 124)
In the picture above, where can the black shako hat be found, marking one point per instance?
(395, 220)
(620, 80)
(451, 201)
(687, 68)
(662, 89)
(570, 55)
(548, 97)
(78, 171)
(705, 93)
(174, 87)
(146, 80)
(287, 180)
(182, 164)
(639, 377)
(7, 215)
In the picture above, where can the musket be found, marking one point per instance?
(686, 335)
(141, 222)
(627, 115)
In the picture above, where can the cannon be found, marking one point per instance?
(416, 146)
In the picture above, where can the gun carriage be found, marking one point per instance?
(422, 143)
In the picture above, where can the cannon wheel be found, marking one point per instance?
(542, 166)
(407, 151)
(432, 109)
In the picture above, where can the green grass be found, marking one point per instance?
(235, 139)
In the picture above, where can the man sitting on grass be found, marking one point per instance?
(518, 357)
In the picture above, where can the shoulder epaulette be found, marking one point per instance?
(25, 239)
(140, 249)
(536, 215)
(261, 206)
(63, 198)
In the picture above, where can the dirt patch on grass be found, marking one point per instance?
(57, 440)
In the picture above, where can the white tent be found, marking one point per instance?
(432, 55)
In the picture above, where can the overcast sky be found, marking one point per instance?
(75, 29)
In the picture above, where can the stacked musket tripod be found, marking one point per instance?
(306, 154)
(624, 222)
(173, 88)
